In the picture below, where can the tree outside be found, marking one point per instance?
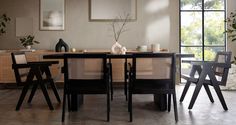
(192, 39)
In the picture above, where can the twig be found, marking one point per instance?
(116, 32)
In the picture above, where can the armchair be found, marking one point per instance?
(158, 77)
(25, 73)
(217, 72)
(81, 78)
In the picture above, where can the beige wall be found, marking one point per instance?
(158, 22)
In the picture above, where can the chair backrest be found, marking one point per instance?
(223, 57)
(19, 58)
(154, 66)
(84, 66)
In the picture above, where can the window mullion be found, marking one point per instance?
(203, 32)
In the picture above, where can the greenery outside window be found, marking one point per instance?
(202, 28)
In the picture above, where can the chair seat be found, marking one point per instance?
(87, 86)
(195, 80)
(151, 86)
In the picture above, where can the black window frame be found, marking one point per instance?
(203, 10)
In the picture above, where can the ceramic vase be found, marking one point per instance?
(28, 47)
(116, 48)
(60, 45)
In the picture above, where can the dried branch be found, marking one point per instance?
(121, 28)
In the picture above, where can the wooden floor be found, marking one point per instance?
(93, 112)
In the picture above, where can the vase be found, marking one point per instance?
(116, 48)
(60, 45)
(123, 50)
(28, 47)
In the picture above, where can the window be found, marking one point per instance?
(202, 28)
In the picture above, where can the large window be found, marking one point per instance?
(202, 28)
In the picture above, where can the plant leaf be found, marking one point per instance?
(37, 42)
(233, 39)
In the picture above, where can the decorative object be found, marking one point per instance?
(73, 50)
(118, 27)
(155, 48)
(4, 19)
(28, 41)
(60, 45)
(116, 48)
(107, 10)
(52, 14)
(142, 48)
(123, 50)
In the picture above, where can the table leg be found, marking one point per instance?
(76, 101)
(161, 101)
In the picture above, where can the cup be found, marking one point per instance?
(142, 48)
(155, 47)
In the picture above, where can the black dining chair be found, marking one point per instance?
(210, 73)
(152, 73)
(86, 74)
(33, 74)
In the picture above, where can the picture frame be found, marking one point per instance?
(52, 14)
(110, 10)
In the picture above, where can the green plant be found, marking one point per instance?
(4, 19)
(28, 41)
(231, 29)
(231, 26)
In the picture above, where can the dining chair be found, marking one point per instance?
(33, 74)
(86, 73)
(210, 73)
(152, 73)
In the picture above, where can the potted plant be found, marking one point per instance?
(28, 41)
(4, 19)
(231, 29)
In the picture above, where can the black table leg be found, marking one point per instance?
(76, 101)
(161, 101)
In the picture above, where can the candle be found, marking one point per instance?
(155, 47)
(73, 50)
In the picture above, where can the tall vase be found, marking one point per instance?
(116, 48)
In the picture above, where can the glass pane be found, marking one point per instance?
(197, 51)
(210, 52)
(186, 67)
(214, 4)
(191, 28)
(214, 28)
(191, 4)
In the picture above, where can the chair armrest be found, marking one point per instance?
(197, 62)
(48, 63)
(20, 66)
(211, 63)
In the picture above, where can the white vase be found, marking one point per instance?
(28, 47)
(123, 50)
(116, 48)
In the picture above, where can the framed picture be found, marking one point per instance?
(52, 14)
(109, 10)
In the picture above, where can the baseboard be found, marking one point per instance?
(14, 85)
(58, 84)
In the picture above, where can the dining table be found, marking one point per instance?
(77, 100)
